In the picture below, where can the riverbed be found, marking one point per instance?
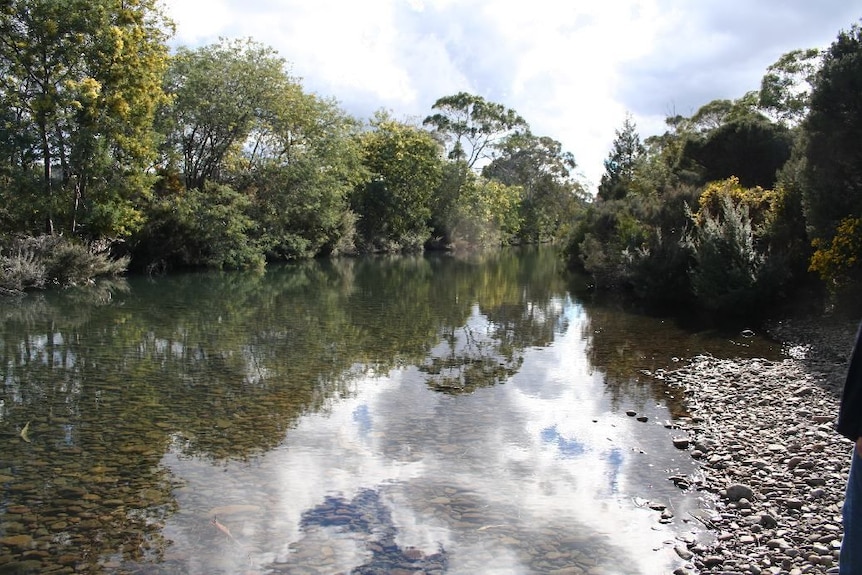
(423, 414)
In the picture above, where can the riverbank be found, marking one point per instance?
(772, 466)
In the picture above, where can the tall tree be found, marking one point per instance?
(621, 162)
(544, 173)
(300, 165)
(471, 126)
(753, 148)
(833, 167)
(786, 87)
(220, 92)
(80, 82)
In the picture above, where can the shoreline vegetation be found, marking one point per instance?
(40, 262)
(217, 157)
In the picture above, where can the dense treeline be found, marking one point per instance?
(216, 156)
(743, 204)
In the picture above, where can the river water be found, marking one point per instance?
(427, 414)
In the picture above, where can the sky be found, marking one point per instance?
(572, 69)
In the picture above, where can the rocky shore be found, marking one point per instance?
(771, 463)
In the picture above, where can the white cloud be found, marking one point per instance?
(572, 70)
(198, 22)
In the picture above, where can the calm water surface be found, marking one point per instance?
(414, 414)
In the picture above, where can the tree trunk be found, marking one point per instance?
(46, 174)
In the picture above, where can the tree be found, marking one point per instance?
(711, 115)
(471, 126)
(717, 113)
(544, 173)
(620, 164)
(80, 82)
(472, 211)
(786, 87)
(832, 174)
(300, 165)
(220, 92)
(751, 148)
(405, 169)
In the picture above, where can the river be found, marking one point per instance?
(415, 414)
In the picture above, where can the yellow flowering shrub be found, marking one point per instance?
(760, 202)
(839, 260)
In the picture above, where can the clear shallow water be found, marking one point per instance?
(365, 416)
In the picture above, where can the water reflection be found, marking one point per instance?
(293, 422)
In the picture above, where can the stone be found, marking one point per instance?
(739, 491)
(681, 442)
(18, 541)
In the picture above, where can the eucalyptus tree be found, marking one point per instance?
(471, 126)
(543, 171)
(80, 81)
(785, 89)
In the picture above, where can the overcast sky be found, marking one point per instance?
(571, 68)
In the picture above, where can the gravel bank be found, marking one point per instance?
(772, 465)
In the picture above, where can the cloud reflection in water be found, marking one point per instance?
(506, 479)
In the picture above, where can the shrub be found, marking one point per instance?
(727, 264)
(200, 228)
(35, 262)
(839, 263)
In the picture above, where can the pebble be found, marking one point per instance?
(774, 470)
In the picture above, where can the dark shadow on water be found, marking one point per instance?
(369, 518)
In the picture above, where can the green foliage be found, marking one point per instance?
(300, 167)
(621, 161)
(395, 205)
(659, 266)
(832, 172)
(80, 83)
(483, 213)
(839, 263)
(219, 93)
(736, 247)
(239, 119)
(726, 261)
(550, 196)
(605, 243)
(785, 89)
(204, 228)
(471, 126)
(751, 148)
(776, 184)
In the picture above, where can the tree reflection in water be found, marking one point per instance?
(124, 385)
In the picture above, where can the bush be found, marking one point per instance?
(839, 262)
(199, 228)
(727, 264)
(36, 262)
